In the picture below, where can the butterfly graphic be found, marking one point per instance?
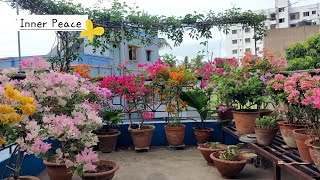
(90, 32)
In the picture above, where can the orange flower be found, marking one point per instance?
(83, 70)
(176, 76)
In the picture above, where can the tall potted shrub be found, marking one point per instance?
(199, 99)
(288, 93)
(136, 93)
(168, 83)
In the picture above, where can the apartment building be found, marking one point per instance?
(284, 15)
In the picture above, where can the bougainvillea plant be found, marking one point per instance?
(168, 82)
(82, 70)
(133, 90)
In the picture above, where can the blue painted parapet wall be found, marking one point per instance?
(34, 166)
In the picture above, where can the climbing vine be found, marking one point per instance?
(137, 24)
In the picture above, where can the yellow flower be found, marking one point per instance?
(11, 93)
(15, 118)
(90, 32)
(4, 108)
(2, 140)
(4, 118)
(28, 109)
(26, 100)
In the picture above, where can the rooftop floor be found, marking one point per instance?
(162, 164)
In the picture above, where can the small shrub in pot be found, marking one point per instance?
(265, 129)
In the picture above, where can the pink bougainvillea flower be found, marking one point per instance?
(147, 116)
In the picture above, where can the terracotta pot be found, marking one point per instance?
(264, 136)
(206, 151)
(227, 115)
(312, 152)
(228, 169)
(108, 142)
(287, 133)
(245, 121)
(142, 137)
(107, 175)
(301, 136)
(203, 135)
(175, 134)
(265, 112)
(58, 171)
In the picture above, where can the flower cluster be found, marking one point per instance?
(14, 108)
(35, 63)
(82, 70)
(84, 161)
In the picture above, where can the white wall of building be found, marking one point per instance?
(278, 17)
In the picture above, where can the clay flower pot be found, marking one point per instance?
(206, 151)
(245, 121)
(108, 142)
(264, 136)
(312, 151)
(301, 136)
(58, 171)
(175, 134)
(203, 135)
(105, 171)
(228, 169)
(287, 133)
(142, 137)
(265, 112)
(227, 115)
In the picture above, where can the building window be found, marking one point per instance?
(258, 49)
(247, 30)
(281, 20)
(314, 12)
(234, 41)
(148, 54)
(235, 51)
(133, 53)
(273, 16)
(294, 16)
(248, 50)
(293, 25)
(305, 14)
(281, 9)
(247, 40)
(272, 26)
(234, 31)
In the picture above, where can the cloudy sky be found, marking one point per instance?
(40, 42)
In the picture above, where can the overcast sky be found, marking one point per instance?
(40, 42)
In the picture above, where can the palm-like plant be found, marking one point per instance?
(198, 99)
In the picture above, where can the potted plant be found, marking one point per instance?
(168, 83)
(288, 92)
(229, 163)
(137, 94)
(101, 173)
(311, 102)
(199, 99)
(265, 129)
(211, 147)
(63, 125)
(107, 134)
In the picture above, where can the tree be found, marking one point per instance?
(197, 62)
(304, 55)
(169, 59)
(163, 43)
(186, 63)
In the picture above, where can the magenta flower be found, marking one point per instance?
(222, 108)
(147, 116)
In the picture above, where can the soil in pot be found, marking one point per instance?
(175, 134)
(203, 135)
(27, 178)
(105, 171)
(264, 136)
(227, 115)
(206, 150)
(287, 133)
(58, 171)
(245, 120)
(312, 151)
(108, 140)
(228, 169)
(265, 112)
(301, 136)
(142, 137)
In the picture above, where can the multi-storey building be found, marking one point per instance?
(284, 15)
